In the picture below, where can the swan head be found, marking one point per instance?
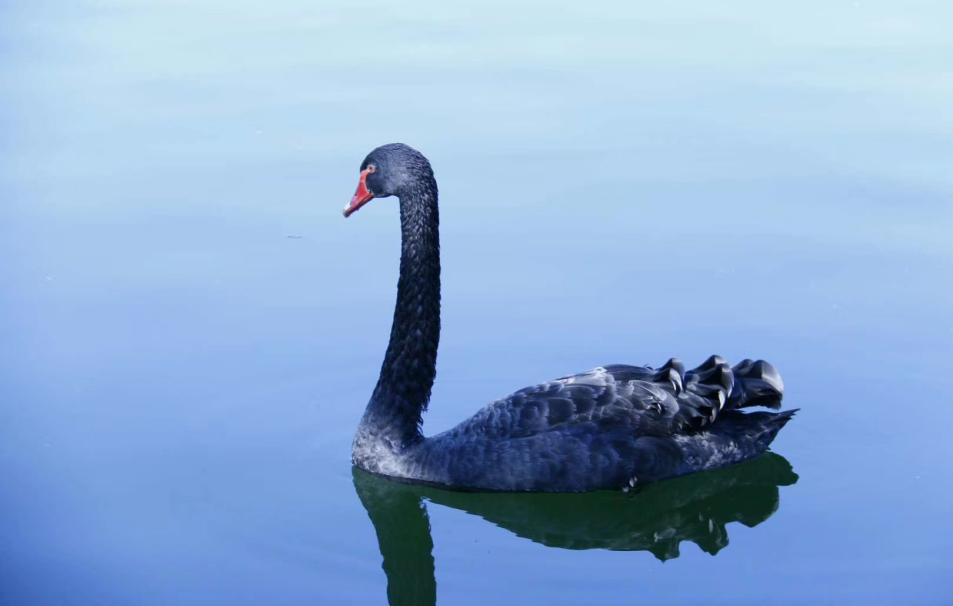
(388, 170)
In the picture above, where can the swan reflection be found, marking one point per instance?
(655, 518)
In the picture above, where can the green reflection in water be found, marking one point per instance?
(654, 518)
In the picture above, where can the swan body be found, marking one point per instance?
(612, 427)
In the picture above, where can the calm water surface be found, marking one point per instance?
(190, 331)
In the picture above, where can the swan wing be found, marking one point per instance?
(647, 401)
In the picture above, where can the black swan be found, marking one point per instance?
(611, 427)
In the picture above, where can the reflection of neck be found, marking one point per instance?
(403, 535)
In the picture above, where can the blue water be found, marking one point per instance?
(190, 330)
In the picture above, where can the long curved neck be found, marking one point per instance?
(409, 367)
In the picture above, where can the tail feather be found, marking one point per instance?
(714, 388)
(757, 383)
(735, 437)
(713, 378)
(673, 373)
(769, 424)
(707, 389)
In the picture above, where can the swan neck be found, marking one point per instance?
(409, 367)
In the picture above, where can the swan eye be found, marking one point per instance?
(371, 168)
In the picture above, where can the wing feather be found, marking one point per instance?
(649, 401)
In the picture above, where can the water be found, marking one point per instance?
(190, 330)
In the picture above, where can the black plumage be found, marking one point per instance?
(612, 427)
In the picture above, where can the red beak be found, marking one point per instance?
(361, 197)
